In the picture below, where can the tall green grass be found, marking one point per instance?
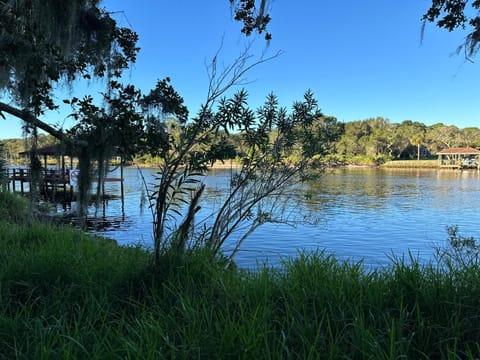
(66, 295)
(14, 208)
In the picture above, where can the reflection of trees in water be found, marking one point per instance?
(378, 189)
(348, 188)
(369, 189)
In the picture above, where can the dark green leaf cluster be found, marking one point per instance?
(131, 123)
(163, 99)
(450, 12)
(453, 14)
(253, 18)
(45, 42)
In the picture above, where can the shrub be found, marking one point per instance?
(13, 208)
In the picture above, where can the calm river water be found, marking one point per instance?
(368, 214)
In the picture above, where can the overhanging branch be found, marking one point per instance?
(29, 118)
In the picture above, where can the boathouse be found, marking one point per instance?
(53, 179)
(55, 182)
(459, 158)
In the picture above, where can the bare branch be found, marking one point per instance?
(232, 75)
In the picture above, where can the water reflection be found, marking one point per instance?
(354, 213)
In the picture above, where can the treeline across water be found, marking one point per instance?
(327, 140)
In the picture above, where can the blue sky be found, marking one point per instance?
(362, 59)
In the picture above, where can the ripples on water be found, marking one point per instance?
(356, 214)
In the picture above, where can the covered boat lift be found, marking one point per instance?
(459, 158)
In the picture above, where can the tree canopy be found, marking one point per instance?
(453, 14)
(253, 17)
(43, 43)
(46, 43)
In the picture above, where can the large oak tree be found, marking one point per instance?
(44, 43)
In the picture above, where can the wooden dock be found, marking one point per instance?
(55, 184)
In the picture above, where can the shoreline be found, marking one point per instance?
(232, 164)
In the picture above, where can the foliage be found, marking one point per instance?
(378, 138)
(454, 14)
(14, 208)
(13, 148)
(191, 147)
(461, 252)
(253, 18)
(317, 136)
(324, 139)
(44, 44)
(71, 38)
(128, 124)
(67, 295)
(267, 174)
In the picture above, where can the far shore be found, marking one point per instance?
(394, 164)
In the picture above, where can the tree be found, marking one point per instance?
(454, 14)
(418, 140)
(319, 136)
(470, 137)
(440, 136)
(253, 18)
(45, 43)
(352, 142)
(256, 190)
(188, 148)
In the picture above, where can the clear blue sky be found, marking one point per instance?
(361, 58)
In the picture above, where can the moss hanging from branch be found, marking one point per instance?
(84, 183)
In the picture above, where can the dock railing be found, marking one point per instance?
(51, 180)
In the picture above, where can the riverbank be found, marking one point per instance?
(411, 164)
(68, 295)
(400, 164)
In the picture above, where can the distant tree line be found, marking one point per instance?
(327, 141)
(378, 140)
(13, 147)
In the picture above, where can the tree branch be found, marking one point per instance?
(29, 118)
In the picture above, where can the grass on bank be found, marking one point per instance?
(411, 164)
(66, 295)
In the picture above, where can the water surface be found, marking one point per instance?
(369, 214)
